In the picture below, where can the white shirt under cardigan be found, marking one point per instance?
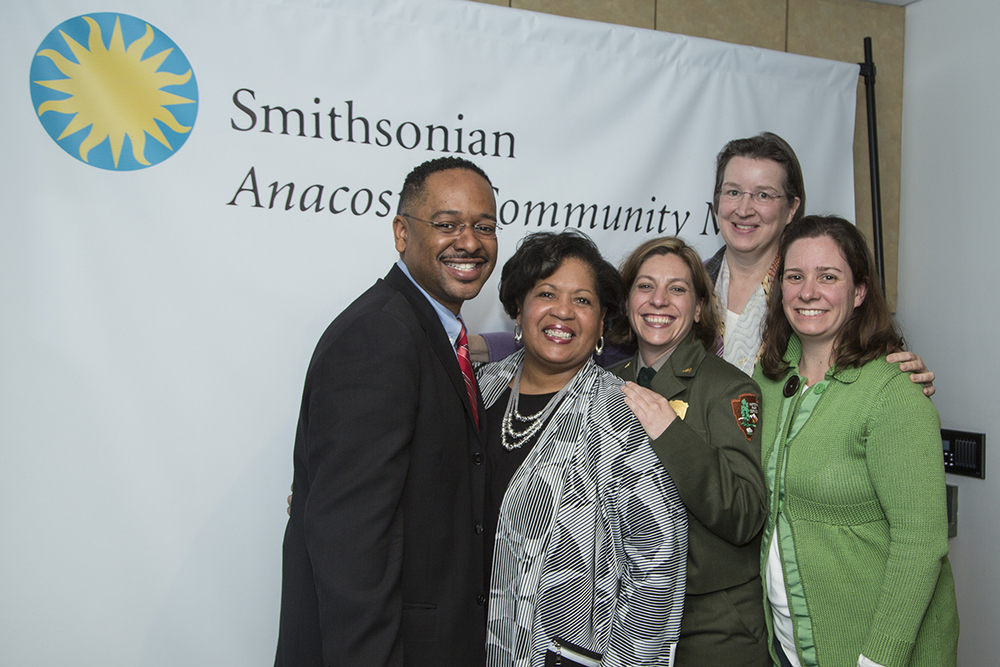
(777, 598)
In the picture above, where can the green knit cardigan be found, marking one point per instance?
(865, 501)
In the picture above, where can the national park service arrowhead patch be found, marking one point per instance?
(746, 409)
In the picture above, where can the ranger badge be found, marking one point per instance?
(746, 409)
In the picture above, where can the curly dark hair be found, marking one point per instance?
(868, 334)
(764, 146)
(539, 255)
(413, 187)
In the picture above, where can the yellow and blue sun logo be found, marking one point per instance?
(104, 100)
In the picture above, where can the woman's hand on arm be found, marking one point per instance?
(652, 410)
(919, 373)
(713, 456)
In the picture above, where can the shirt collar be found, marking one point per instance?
(794, 353)
(450, 321)
(656, 365)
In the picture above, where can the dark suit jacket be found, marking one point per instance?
(383, 553)
(716, 469)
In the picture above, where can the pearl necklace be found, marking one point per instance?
(535, 422)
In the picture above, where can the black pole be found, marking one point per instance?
(868, 72)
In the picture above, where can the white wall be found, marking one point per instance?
(948, 294)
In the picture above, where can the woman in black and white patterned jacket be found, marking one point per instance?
(586, 534)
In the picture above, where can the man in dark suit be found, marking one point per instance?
(383, 552)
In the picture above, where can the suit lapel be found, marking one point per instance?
(440, 344)
(666, 383)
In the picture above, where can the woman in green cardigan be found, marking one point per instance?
(855, 546)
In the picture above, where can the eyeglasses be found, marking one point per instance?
(760, 197)
(486, 230)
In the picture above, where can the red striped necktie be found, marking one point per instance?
(465, 363)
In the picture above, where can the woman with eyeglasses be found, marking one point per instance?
(759, 191)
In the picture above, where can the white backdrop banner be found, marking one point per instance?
(193, 189)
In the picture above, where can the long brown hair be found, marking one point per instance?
(706, 329)
(869, 333)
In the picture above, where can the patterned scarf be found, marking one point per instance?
(742, 345)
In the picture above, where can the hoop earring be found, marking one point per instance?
(517, 333)
(600, 346)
